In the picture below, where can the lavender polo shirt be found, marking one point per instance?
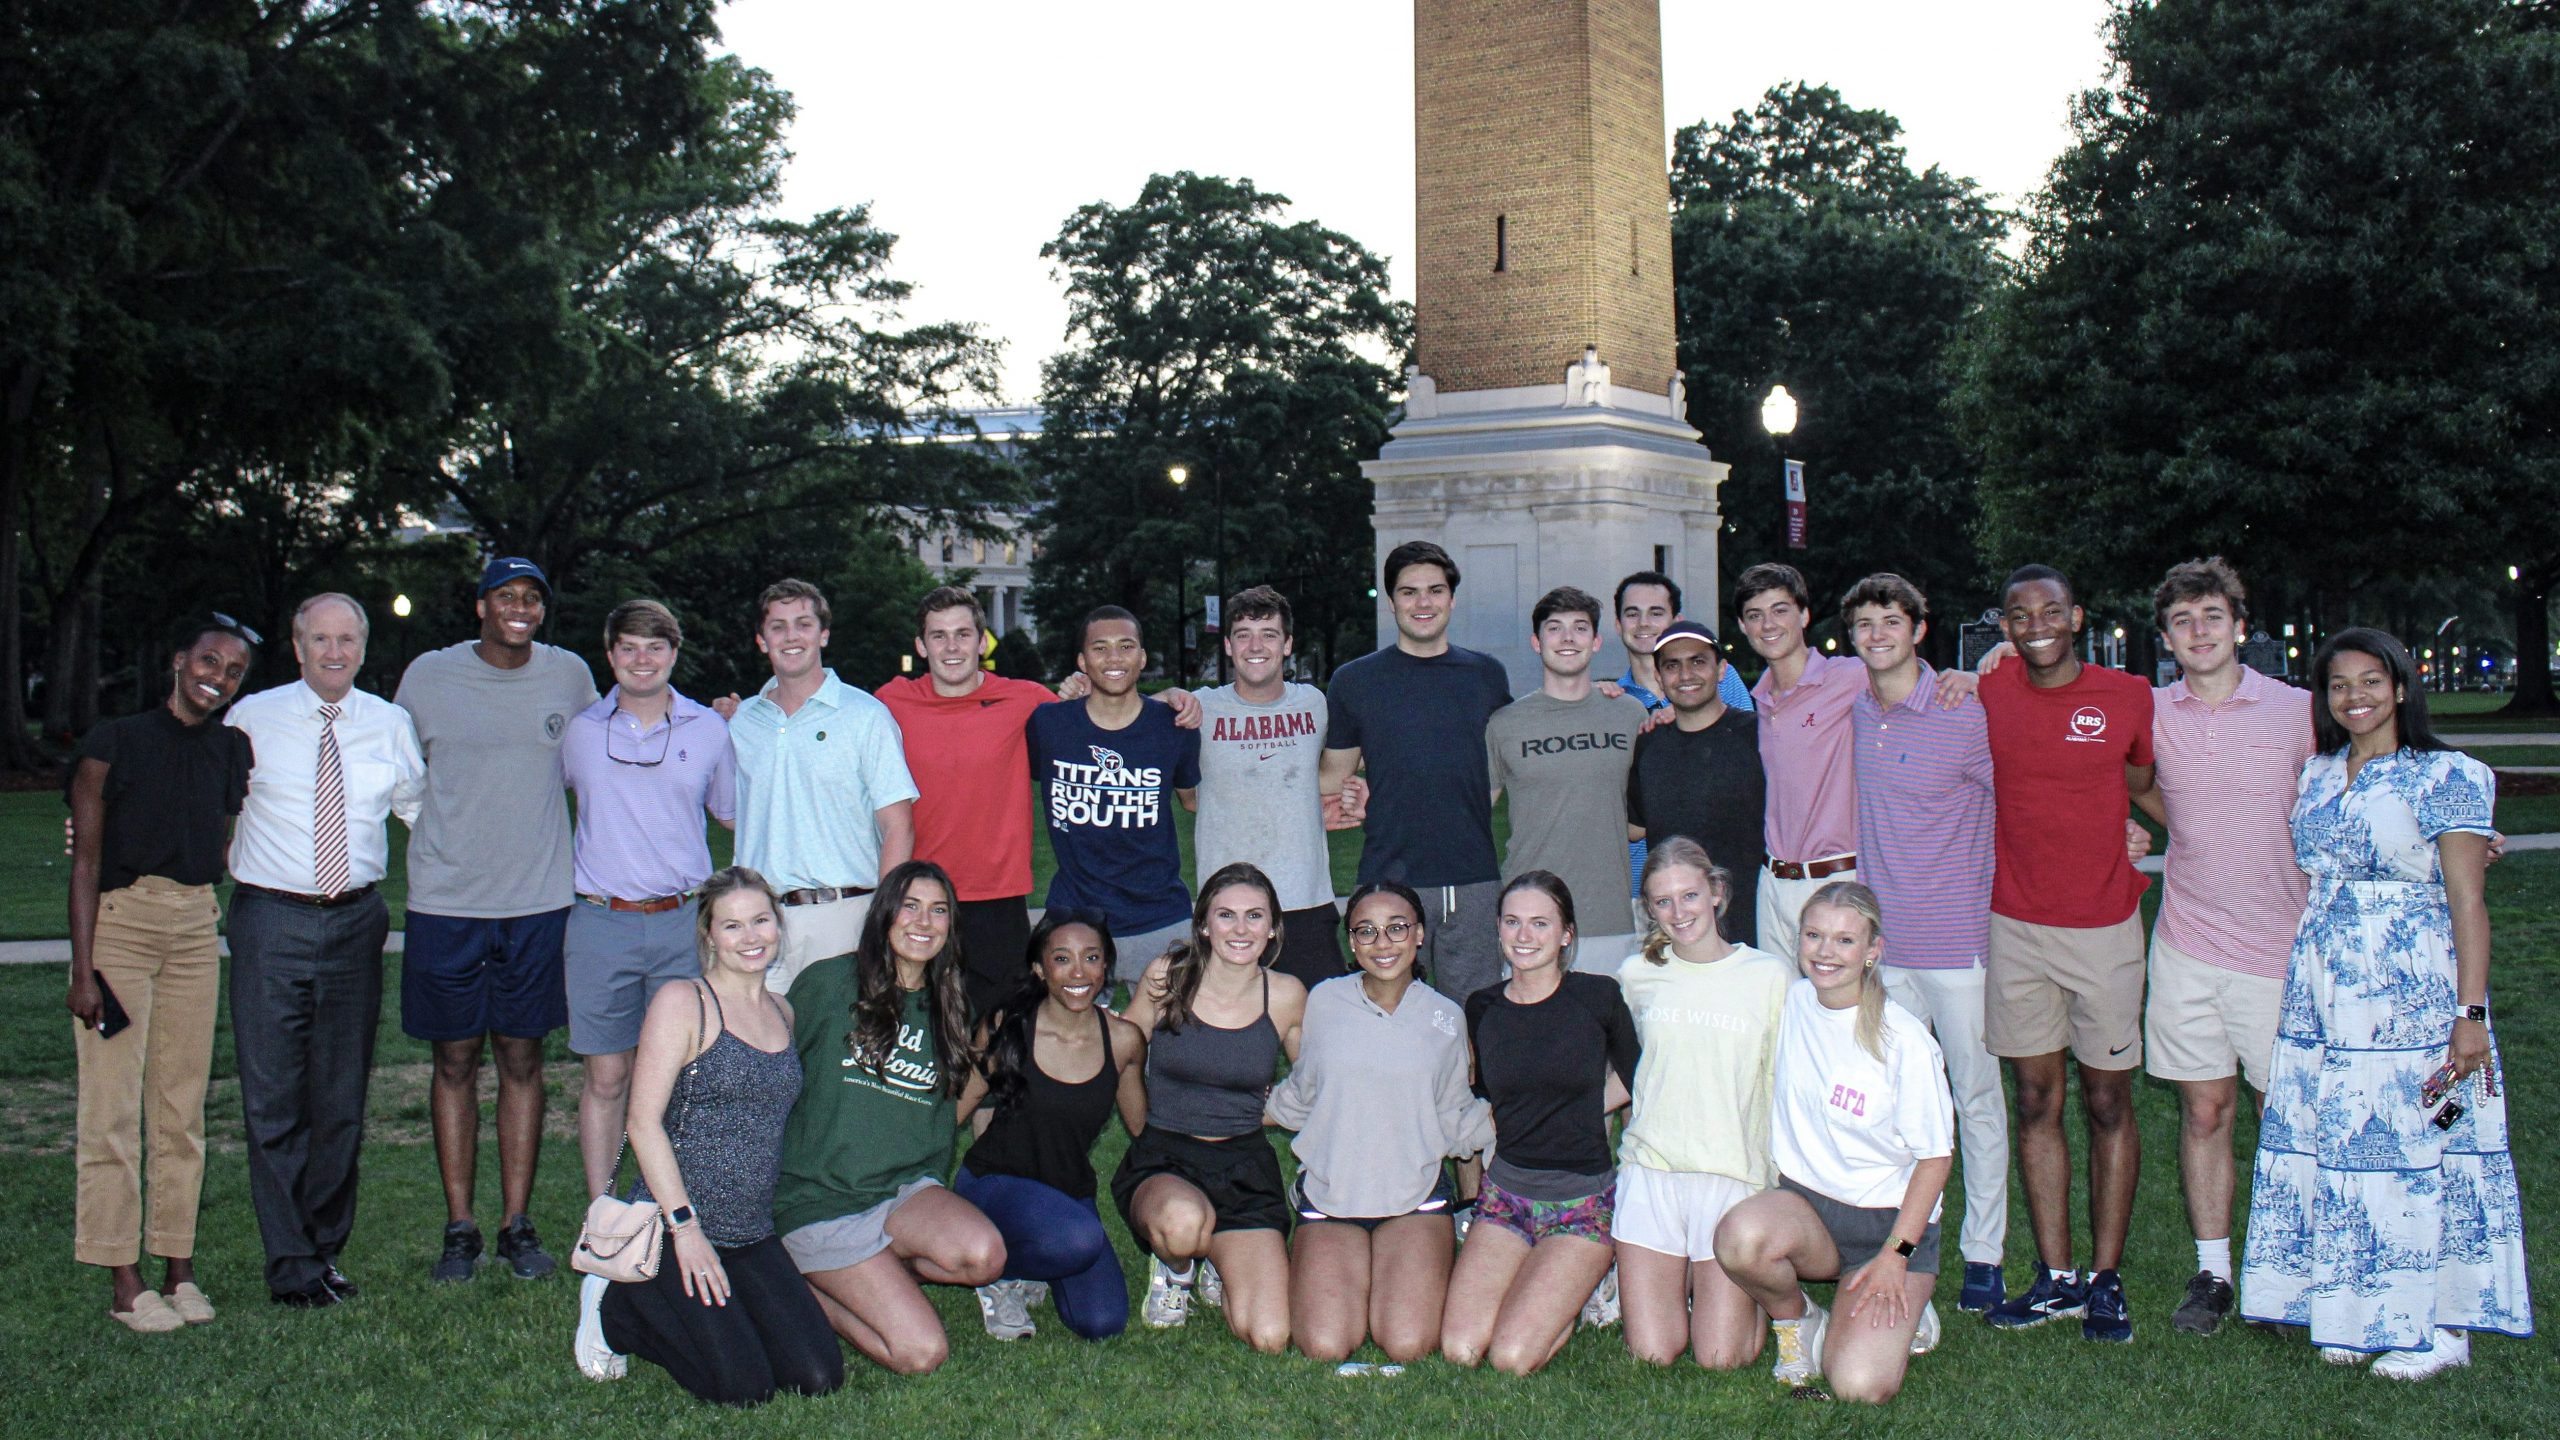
(2228, 774)
(640, 833)
(1804, 736)
(1924, 824)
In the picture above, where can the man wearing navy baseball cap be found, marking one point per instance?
(1700, 775)
(489, 895)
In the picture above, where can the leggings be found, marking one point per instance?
(1053, 1237)
(770, 1336)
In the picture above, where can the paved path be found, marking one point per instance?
(58, 952)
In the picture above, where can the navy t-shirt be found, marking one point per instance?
(1418, 722)
(1109, 808)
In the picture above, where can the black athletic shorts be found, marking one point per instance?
(1240, 1177)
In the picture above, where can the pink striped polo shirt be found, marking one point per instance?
(2228, 775)
(1812, 812)
(1924, 824)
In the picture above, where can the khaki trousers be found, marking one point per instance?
(142, 1092)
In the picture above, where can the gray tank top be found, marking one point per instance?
(1209, 1082)
(724, 1118)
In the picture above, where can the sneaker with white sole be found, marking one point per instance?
(2447, 1350)
(1799, 1344)
(1168, 1302)
(1211, 1290)
(596, 1359)
(1003, 1309)
(2341, 1355)
(1925, 1336)
(1602, 1308)
(1034, 1292)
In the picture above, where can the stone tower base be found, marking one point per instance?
(1537, 486)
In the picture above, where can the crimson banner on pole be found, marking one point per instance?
(1795, 504)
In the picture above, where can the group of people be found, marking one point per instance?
(1790, 931)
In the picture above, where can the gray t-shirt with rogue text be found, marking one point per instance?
(1563, 763)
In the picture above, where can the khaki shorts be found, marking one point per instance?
(2206, 1023)
(2051, 988)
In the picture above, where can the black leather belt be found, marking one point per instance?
(315, 902)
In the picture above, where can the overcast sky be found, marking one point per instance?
(974, 129)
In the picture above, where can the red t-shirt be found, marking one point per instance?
(973, 779)
(2057, 774)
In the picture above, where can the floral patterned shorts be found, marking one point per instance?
(1534, 1220)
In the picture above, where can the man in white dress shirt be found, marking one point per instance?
(307, 928)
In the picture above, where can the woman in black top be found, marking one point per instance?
(1555, 1051)
(1200, 1187)
(151, 798)
(1031, 1167)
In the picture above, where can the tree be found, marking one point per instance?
(1808, 253)
(297, 280)
(2289, 296)
(1205, 332)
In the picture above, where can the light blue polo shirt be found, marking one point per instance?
(808, 785)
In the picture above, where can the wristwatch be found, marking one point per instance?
(1905, 1248)
(2475, 1012)
(680, 1217)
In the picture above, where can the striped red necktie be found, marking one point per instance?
(329, 810)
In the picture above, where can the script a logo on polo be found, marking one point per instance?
(2088, 723)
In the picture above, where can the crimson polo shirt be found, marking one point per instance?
(2228, 774)
(2058, 758)
(1804, 753)
(972, 770)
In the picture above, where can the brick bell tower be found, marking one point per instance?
(1545, 439)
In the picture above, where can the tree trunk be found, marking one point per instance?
(17, 752)
(2533, 695)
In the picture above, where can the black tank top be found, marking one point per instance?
(1211, 1082)
(1047, 1135)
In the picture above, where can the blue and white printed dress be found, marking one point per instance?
(2366, 1222)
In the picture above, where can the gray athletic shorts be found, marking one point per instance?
(1858, 1232)
(848, 1240)
(614, 961)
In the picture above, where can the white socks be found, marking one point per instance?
(2214, 1258)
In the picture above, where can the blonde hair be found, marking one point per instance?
(722, 885)
(1680, 850)
(1858, 899)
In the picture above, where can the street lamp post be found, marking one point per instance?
(1180, 475)
(1778, 417)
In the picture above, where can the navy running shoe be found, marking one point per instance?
(2107, 1319)
(1983, 1287)
(2052, 1297)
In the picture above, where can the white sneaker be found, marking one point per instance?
(1002, 1310)
(1602, 1308)
(596, 1359)
(1211, 1290)
(1799, 1344)
(1034, 1292)
(1168, 1296)
(1925, 1337)
(2341, 1355)
(2450, 1350)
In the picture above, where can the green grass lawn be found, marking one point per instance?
(492, 1358)
(2478, 711)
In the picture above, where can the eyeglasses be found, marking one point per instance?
(244, 632)
(637, 746)
(1398, 931)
